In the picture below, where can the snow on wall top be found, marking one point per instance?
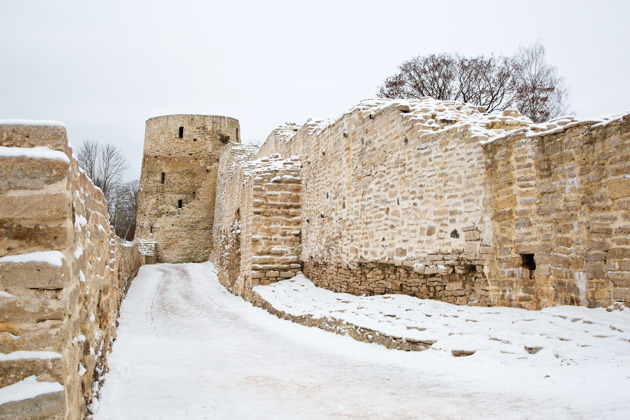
(429, 116)
(46, 123)
(54, 258)
(270, 164)
(147, 248)
(284, 132)
(27, 388)
(240, 153)
(559, 124)
(39, 152)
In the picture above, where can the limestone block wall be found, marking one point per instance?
(226, 250)
(393, 198)
(63, 273)
(259, 237)
(178, 183)
(228, 193)
(280, 141)
(288, 139)
(561, 220)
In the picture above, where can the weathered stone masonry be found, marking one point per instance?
(435, 199)
(178, 184)
(563, 199)
(63, 273)
(440, 200)
(259, 226)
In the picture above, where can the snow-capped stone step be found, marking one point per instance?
(32, 399)
(43, 365)
(50, 266)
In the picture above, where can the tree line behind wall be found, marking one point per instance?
(523, 81)
(105, 165)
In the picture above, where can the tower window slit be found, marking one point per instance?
(163, 177)
(179, 204)
(181, 132)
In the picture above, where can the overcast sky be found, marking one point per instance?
(104, 67)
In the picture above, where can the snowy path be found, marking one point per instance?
(187, 349)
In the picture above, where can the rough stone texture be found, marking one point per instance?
(440, 200)
(48, 204)
(257, 235)
(454, 283)
(178, 183)
(43, 407)
(392, 198)
(46, 370)
(226, 250)
(564, 198)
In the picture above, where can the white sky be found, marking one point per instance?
(105, 67)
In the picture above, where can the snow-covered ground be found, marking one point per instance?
(187, 348)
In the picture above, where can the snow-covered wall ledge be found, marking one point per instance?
(63, 273)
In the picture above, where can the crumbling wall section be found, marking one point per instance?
(258, 239)
(231, 206)
(62, 273)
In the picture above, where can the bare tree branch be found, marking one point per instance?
(88, 158)
(523, 81)
(105, 166)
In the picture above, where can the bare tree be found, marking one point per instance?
(112, 166)
(523, 81)
(540, 92)
(126, 205)
(433, 75)
(105, 166)
(88, 156)
(486, 81)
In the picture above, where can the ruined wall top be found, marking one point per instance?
(426, 116)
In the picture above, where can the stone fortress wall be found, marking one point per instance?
(435, 199)
(63, 274)
(561, 196)
(439, 200)
(178, 183)
(428, 198)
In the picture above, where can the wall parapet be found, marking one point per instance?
(63, 273)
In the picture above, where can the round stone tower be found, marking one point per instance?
(178, 183)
